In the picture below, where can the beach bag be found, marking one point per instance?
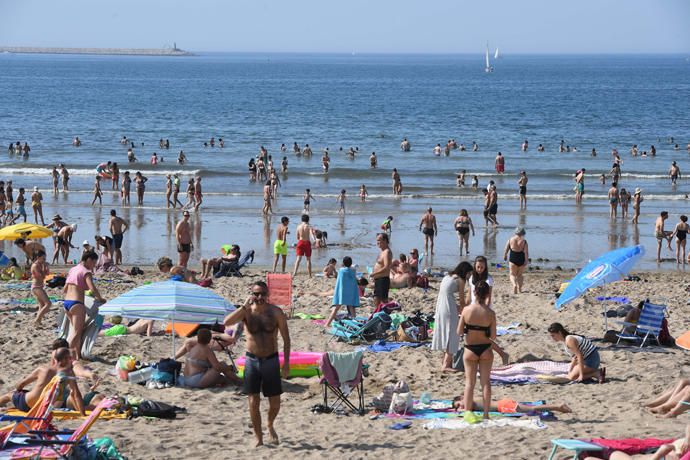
(56, 282)
(665, 337)
(401, 399)
(166, 371)
(422, 282)
(148, 408)
(135, 271)
(205, 283)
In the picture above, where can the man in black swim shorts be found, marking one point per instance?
(118, 227)
(262, 369)
(183, 235)
(428, 227)
(382, 270)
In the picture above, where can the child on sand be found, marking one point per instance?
(329, 270)
(346, 291)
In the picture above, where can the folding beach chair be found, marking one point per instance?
(337, 366)
(377, 327)
(39, 416)
(649, 324)
(280, 291)
(48, 443)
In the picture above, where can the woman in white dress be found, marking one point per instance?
(448, 310)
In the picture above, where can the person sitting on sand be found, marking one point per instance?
(401, 276)
(509, 406)
(673, 401)
(413, 260)
(585, 355)
(202, 369)
(329, 271)
(677, 450)
(208, 266)
(177, 272)
(61, 365)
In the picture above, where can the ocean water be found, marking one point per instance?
(365, 101)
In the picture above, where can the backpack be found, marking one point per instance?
(166, 371)
(665, 337)
(149, 408)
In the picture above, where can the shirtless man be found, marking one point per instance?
(661, 234)
(613, 200)
(493, 204)
(674, 173)
(405, 145)
(303, 248)
(325, 160)
(428, 226)
(307, 200)
(382, 270)
(64, 242)
(522, 183)
(118, 227)
(30, 248)
(373, 161)
(262, 369)
(61, 364)
(500, 163)
(183, 235)
(280, 245)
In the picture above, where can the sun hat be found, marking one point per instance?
(638, 190)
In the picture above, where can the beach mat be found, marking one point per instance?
(684, 341)
(182, 329)
(460, 424)
(530, 372)
(441, 409)
(66, 414)
(383, 346)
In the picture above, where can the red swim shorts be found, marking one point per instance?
(507, 406)
(500, 168)
(303, 248)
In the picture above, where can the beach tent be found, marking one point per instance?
(173, 301)
(607, 268)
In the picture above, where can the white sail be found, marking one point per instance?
(496, 54)
(488, 67)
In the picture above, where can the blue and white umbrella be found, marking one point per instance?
(607, 268)
(174, 301)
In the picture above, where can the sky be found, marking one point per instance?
(362, 26)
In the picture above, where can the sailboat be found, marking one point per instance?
(488, 68)
(496, 54)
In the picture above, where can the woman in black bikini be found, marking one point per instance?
(681, 233)
(517, 256)
(463, 225)
(478, 325)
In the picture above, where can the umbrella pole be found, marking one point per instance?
(173, 338)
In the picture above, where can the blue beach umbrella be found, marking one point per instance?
(174, 301)
(607, 268)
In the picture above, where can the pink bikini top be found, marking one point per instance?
(77, 276)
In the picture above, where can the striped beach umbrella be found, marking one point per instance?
(174, 301)
(170, 301)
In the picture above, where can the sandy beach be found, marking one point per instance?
(216, 424)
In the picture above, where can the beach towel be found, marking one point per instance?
(383, 346)
(307, 316)
(346, 364)
(66, 414)
(346, 290)
(524, 373)
(458, 424)
(630, 446)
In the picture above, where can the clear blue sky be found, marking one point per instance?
(402, 26)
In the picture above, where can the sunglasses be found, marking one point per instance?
(260, 294)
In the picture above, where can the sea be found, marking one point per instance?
(369, 103)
